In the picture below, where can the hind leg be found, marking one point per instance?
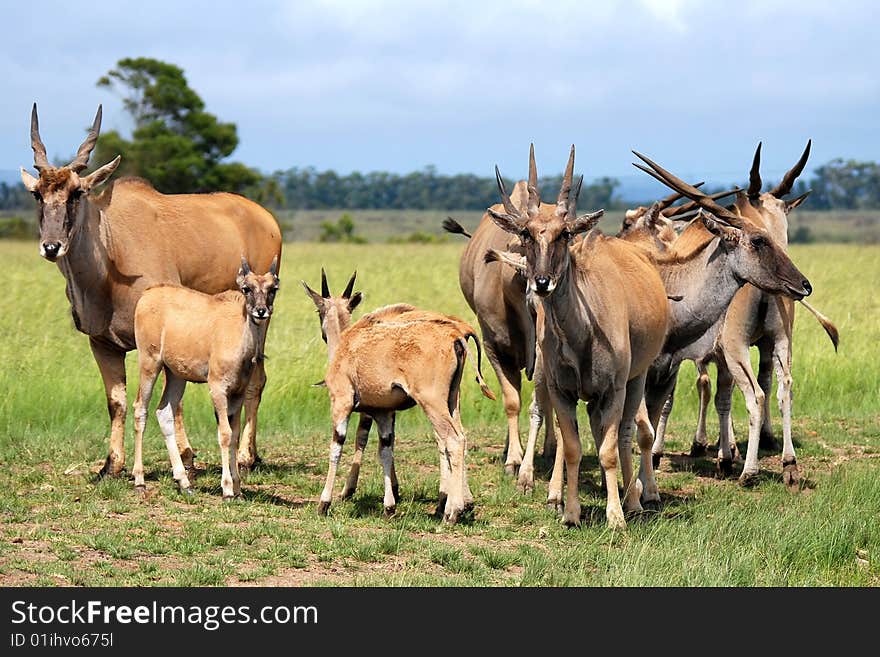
(510, 379)
(149, 372)
(362, 436)
(782, 359)
(766, 349)
(385, 425)
(171, 397)
(704, 390)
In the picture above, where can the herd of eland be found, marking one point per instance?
(189, 281)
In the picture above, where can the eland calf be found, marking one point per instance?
(214, 339)
(390, 360)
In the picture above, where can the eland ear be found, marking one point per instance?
(505, 221)
(316, 298)
(585, 222)
(29, 181)
(725, 232)
(792, 204)
(101, 175)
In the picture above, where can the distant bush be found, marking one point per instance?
(16, 228)
(418, 237)
(801, 235)
(341, 231)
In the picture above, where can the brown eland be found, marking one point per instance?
(393, 359)
(201, 338)
(605, 318)
(111, 246)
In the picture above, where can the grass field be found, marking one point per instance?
(60, 525)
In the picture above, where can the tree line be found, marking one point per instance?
(180, 147)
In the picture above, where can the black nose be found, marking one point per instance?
(807, 287)
(542, 283)
(51, 248)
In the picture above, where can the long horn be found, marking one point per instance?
(509, 208)
(690, 191)
(245, 268)
(755, 183)
(565, 189)
(40, 160)
(692, 205)
(672, 198)
(788, 179)
(325, 289)
(534, 194)
(81, 161)
(350, 287)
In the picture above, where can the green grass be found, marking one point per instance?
(61, 526)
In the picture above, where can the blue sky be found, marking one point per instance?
(397, 86)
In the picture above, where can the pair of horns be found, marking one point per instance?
(566, 202)
(81, 161)
(325, 289)
(785, 185)
(246, 268)
(702, 200)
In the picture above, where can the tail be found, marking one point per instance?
(483, 387)
(830, 328)
(450, 225)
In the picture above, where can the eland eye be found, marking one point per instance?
(37, 196)
(525, 236)
(245, 290)
(565, 235)
(759, 242)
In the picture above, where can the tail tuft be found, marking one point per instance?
(450, 225)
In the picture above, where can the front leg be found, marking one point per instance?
(247, 447)
(566, 415)
(111, 364)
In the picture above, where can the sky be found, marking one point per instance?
(399, 85)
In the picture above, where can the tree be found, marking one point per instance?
(175, 144)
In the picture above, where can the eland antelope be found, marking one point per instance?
(390, 360)
(605, 318)
(756, 315)
(215, 339)
(111, 246)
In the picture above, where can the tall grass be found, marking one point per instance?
(53, 421)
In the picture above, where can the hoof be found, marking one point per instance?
(698, 449)
(525, 486)
(451, 517)
(725, 468)
(390, 511)
(187, 492)
(323, 507)
(511, 470)
(748, 480)
(141, 492)
(111, 470)
(768, 441)
(570, 522)
(348, 492)
(651, 505)
(230, 498)
(791, 476)
(441, 506)
(616, 522)
(655, 459)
